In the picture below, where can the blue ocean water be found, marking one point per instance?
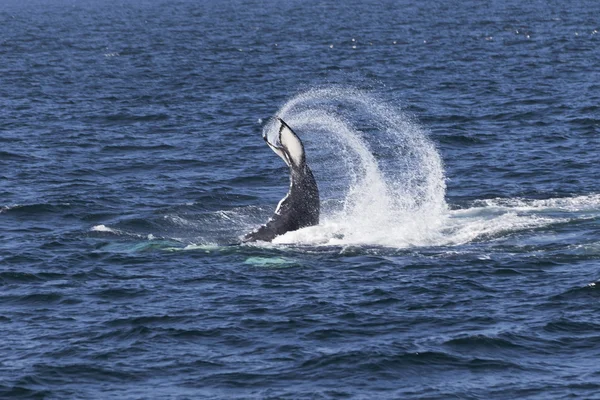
(456, 151)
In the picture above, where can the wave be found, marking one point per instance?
(35, 209)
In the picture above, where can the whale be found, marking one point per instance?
(300, 207)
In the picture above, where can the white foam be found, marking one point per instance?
(452, 228)
(460, 229)
(102, 228)
(572, 204)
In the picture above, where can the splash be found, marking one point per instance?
(381, 178)
(382, 184)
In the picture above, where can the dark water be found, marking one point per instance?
(131, 158)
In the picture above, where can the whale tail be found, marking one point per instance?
(287, 145)
(300, 207)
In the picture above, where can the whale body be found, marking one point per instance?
(300, 207)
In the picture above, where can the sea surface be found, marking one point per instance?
(456, 146)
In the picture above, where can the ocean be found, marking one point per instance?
(455, 146)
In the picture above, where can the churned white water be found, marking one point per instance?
(382, 179)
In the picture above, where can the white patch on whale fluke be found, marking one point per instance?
(293, 145)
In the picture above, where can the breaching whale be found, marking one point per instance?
(300, 207)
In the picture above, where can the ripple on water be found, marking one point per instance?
(35, 299)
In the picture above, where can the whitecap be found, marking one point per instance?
(102, 228)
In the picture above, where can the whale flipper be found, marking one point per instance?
(300, 207)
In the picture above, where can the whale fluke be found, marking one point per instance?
(300, 207)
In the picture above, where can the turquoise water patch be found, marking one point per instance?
(270, 262)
